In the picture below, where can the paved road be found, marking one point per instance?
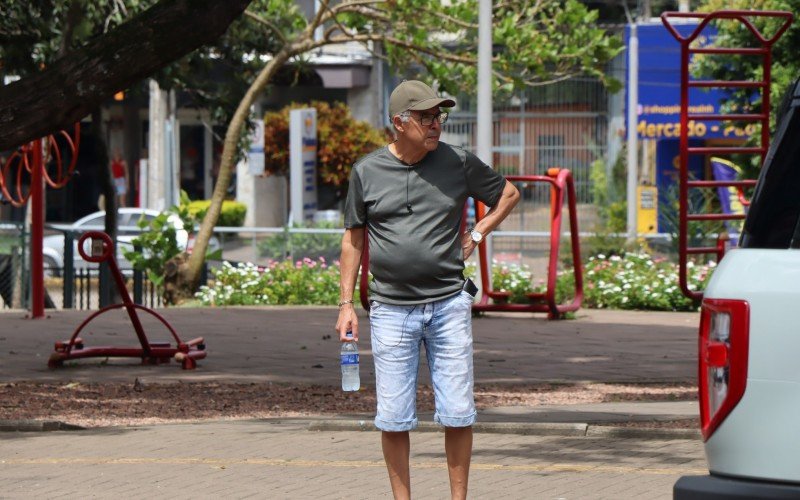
(270, 459)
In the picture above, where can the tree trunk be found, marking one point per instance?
(70, 88)
(108, 293)
(184, 282)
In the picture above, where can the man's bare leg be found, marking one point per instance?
(458, 446)
(396, 451)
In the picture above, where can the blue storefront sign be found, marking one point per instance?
(658, 112)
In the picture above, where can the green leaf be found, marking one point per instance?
(215, 255)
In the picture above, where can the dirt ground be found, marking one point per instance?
(140, 402)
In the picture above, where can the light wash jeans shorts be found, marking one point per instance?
(397, 332)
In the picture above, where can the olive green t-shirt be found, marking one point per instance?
(413, 217)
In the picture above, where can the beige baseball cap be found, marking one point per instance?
(414, 95)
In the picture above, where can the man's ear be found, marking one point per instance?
(398, 123)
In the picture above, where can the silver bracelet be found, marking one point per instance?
(345, 302)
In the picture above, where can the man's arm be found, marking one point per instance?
(349, 262)
(508, 200)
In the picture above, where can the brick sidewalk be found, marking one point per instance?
(273, 459)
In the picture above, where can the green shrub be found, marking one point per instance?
(634, 281)
(295, 246)
(341, 141)
(628, 281)
(512, 278)
(158, 241)
(231, 215)
(304, 282)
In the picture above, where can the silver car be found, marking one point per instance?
(127, 219)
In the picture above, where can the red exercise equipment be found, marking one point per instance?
(561, 186)
(764, 51)
(186, 353)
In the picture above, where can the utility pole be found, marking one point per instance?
(633, 142)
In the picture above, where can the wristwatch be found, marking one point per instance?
(477, 236)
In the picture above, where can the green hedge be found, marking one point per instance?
(232, 214)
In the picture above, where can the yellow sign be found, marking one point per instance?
(647, 209)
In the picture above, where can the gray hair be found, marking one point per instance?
(404, 117)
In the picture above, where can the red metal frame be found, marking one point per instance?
(765, 51)
(187, 353)
(33, 158)
(561, 184)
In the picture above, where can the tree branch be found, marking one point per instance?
(71, 87)
(316, 22)
(407, 45)
(272, 26)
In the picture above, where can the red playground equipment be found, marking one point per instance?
(30, 163)
(186, 353)
(687, 49)
(561, 186)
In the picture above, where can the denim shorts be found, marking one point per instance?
(445, 327)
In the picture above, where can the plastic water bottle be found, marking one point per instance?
(349, 359)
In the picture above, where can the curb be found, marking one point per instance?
(641, 433)
(526, 429)
(36, 426)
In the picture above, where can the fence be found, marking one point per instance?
(12, 266)
(561, 125)
(69, 283)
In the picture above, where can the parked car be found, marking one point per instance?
(127, 220)
(749, 375)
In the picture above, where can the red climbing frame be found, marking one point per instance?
(561, 186)
(31, 160)
(150, 352)
(765, 52)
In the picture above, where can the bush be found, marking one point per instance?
(628, 281)
(635, 281)
(295, 246)
(631, 281)
(158, 242)
(512, 278)
(304, 282)
(231, 215)
(341, 141)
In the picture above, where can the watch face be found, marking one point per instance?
(476, 236)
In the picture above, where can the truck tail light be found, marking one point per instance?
(724, 340)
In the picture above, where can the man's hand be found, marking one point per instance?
(348, 322)
(467, 245)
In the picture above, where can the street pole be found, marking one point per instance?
(485, 123)
(633, 143)
(37, 233)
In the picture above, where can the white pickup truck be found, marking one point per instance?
(749, 345)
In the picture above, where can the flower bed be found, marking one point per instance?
(638, 281)
(305, 282)
(631, 281)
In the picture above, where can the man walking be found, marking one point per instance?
(409, 196)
